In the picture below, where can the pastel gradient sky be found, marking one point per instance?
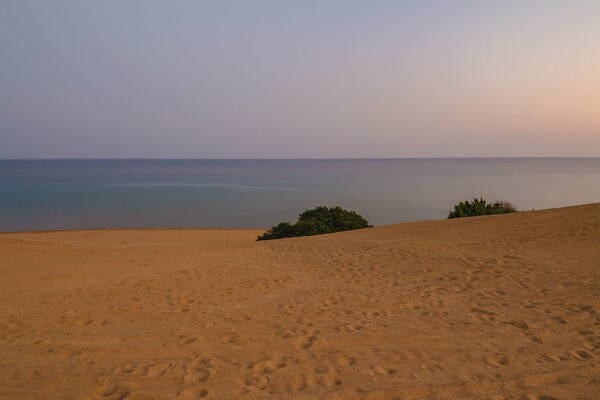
(299, 79)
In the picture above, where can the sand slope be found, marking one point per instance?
(503, 307)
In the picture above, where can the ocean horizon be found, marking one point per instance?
(57, 194)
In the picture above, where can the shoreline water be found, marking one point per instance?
(88, 194)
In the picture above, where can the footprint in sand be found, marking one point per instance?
(585, 332)
(197, 374)
(126, 369)
(580, 355)
(348, 328)
(112, 390)
(386, 371)
(268, 366)
(496, 361)
(285, 334)
(255, 382)
(518, 324)
(330, 302)
(192, 393)
(434, 368)
(324, 374)
(321, 369)
(345, 361)
(331, 380)
(533, 338)
(200, 369)
(232, 338)
(187, 339)
(157, 370)
(298, 383)
(584, 308)
(305, 342)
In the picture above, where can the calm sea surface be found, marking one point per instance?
(76, 194)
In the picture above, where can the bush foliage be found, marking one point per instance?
(317, 221)
(480, 207)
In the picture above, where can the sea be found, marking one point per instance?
(37, 195)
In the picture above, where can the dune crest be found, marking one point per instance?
(494, 307)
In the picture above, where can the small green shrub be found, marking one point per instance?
(480, 207)
(317, 221)
(503, 207)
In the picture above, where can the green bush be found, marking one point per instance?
(317, 221)
(480, 207)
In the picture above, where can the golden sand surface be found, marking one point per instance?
(500, 307)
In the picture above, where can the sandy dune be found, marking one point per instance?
(503, 307)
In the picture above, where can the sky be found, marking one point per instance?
(299, 79)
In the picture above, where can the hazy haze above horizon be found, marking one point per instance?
(277, 79)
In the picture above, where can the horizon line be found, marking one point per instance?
(283, 158)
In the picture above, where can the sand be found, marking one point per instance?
(501, 307)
